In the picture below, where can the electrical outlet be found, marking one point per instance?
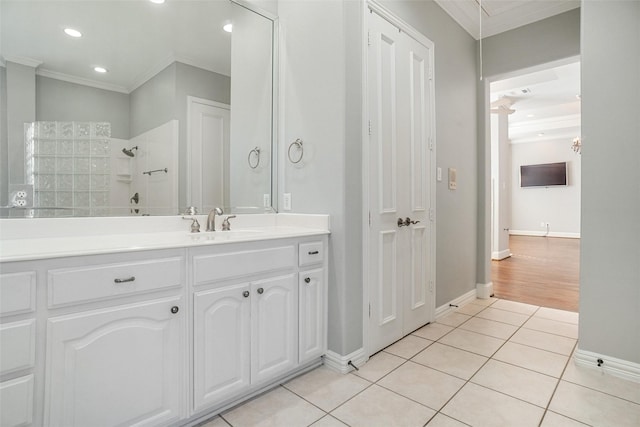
(542, 224)
(286, 201)
(453, 180)
(20, 195)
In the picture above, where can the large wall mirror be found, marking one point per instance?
(147, 108)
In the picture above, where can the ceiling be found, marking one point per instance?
(502, 15)
(133, 39)
(546, 104)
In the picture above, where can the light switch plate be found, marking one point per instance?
(266, 200)
(452, 179)
(439, 174)
(286, 201)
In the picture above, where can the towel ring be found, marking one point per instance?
(255, 164)
(298, 144)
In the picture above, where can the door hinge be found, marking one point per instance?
(368, 38)
(369, 218)
(369, 127)
(431, 143)
(431, 286)
(432, 214)
(430, 73)
(369, 310)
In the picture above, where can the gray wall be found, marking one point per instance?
(610, 250)
(456, 130)
(552, 39)
(153, 103)
(321, 88)
(57, 100)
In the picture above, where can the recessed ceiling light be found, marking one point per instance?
(531, 115)
(100, 69)
(157, 1)
(228, 27)
(72, 33)
(541, 134)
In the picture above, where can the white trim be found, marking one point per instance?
(81, 81)
(23, 60)
(613, 366)
(463, 299)
(500, 255)
(544, 234)
(338, 363)
(484, 290)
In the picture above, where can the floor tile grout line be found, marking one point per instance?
(556, 387)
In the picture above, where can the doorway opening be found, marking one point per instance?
(535, 225)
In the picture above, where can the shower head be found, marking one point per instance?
(129, 152)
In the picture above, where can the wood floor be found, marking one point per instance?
(541, 271)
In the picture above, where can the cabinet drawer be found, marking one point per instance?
(72, 285)
(17, 345)
(17, 293)
(213, 267)
(16, 402)
(310, 253)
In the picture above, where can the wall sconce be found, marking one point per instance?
(577, 145)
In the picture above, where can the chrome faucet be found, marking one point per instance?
(211, 219)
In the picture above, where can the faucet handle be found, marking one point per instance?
(191, 210)
(226, 225)
(195, 225)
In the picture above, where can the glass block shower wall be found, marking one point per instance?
(68, 164)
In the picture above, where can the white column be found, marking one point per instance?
(500, 182)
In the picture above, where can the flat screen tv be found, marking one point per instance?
(544, 175)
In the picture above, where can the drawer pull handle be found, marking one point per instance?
(175, 309)
(313, 252)
(245, 294)
(307, 280)
(130, 279)
(260, 290)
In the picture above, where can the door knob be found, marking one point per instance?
(401, 222)
(408, 221)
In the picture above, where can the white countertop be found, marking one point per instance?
(24, 239)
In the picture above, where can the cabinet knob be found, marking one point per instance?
(245, 294)
(307, 280)
(260, 290)
(175, 309)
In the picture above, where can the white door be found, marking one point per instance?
(222, 339)
(208, 147)
(274, 331)
(117, 366)
(401, 238)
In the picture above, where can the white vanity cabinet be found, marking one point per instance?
(18, 339)
(249, 307)
(115, 355)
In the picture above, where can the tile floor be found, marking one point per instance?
(491, 363)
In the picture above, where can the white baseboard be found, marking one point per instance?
(339, 363)
(484, 290)
(610, 365)
(463, 299)
(544, 233)
(498, 255)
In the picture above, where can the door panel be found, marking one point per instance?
(399, 96)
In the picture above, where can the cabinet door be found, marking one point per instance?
(312, 303)
(117, 366)
(221, 344)
(274, 328)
